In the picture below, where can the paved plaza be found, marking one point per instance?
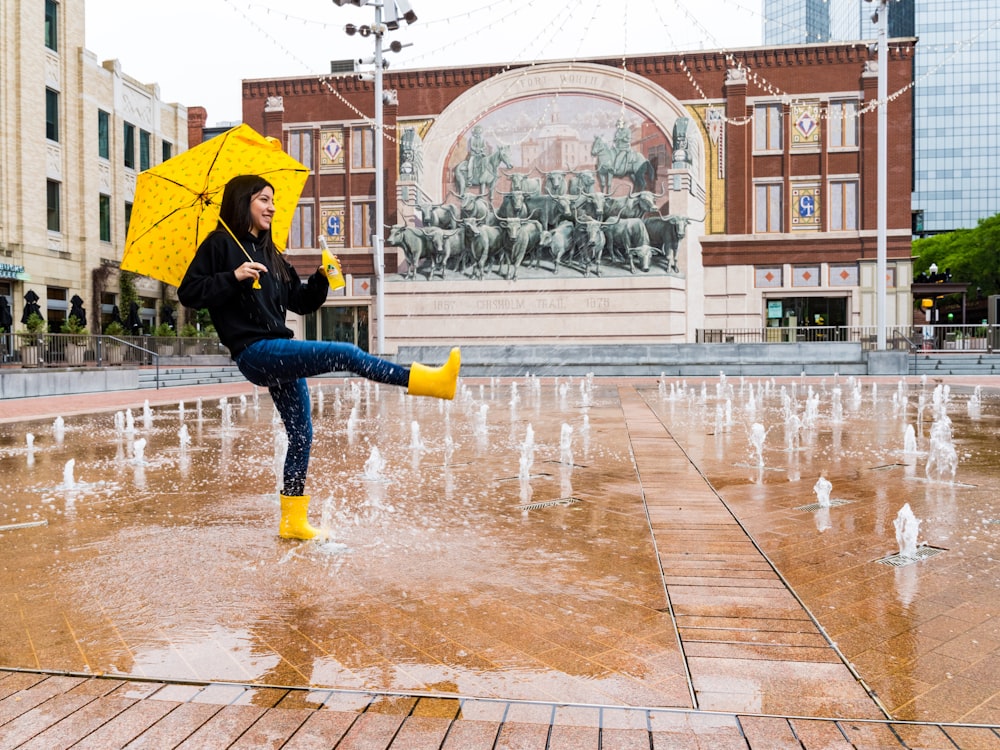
(542, 563)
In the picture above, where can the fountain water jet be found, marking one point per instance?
(374, 466)
(907, 526)
(527, 454)
(68, 481)
(566, 445)
(757, 435)
(822, 488)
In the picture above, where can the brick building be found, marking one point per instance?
(74, 133)
(767, 157)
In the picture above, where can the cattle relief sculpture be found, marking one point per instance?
(590, 218)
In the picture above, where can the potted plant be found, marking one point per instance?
(190, 333)
(33, 340)
(114, 351)
(161, 332)
(76, 343)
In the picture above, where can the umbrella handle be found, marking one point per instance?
(256, 282)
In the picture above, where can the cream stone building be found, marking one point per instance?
(74, 133)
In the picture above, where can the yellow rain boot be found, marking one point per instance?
(438, 382)
(294, 521)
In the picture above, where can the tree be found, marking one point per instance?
(971, 255)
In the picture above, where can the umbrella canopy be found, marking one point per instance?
(30, 306)
(76, 310)
(6, 317)
(177, 202)
(134, 324)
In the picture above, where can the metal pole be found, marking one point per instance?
(883, 161)
(377, 240)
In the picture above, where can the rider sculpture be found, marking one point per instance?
(622, 145)
(477, 155)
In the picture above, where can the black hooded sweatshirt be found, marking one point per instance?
(241, 314)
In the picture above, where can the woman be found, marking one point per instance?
(238, 274)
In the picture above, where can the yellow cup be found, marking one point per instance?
(331, 267)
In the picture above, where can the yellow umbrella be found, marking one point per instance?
(177, 202)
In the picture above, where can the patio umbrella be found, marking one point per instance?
(6, 317)
(76, 309)
(134, 324)
(30, 306)
(177, 202)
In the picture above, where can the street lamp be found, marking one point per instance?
(394, 10)
(881, 17)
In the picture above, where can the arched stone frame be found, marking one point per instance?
(641, 95)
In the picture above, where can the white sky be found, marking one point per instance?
(199, 51)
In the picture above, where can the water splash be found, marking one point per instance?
(278, 463)
(58, 429)
(374, 466)
(975, 404)
(527, 454)
(352, 424)
(147, 416)
(757, 435)
(942, 459)
(907, 526)
(69, 482)
(909, 440)
(226, 418)
(416, 443)
(138, 452)
(566, 445)
(822, 488)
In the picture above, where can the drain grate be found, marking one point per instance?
(883, 467)
(27, 525)
(813, 507)
(549, 503)
(898, 561)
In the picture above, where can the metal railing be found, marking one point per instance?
(939, 338)
(99, 350)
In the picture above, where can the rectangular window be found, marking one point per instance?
(362, 148)
(144, 148)
(105, 210)
(300, 146)
(303, 232)
(167, 150)
(843, 206)
(767, 127)
(52, 195)
(128, 216)
(52, 25)
(362, 221)
(842, 117)
(103, 134)
(129, 145)
(767, 205)
(52, 115)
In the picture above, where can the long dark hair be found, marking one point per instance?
(235, 212)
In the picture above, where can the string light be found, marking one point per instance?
(558, 25)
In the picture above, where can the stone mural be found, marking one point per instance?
(562, 184)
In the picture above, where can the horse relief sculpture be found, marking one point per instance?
(573, 219)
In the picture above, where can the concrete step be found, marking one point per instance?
(178, 376)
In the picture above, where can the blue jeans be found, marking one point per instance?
(282, 365)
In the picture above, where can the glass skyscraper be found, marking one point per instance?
(956, 94)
